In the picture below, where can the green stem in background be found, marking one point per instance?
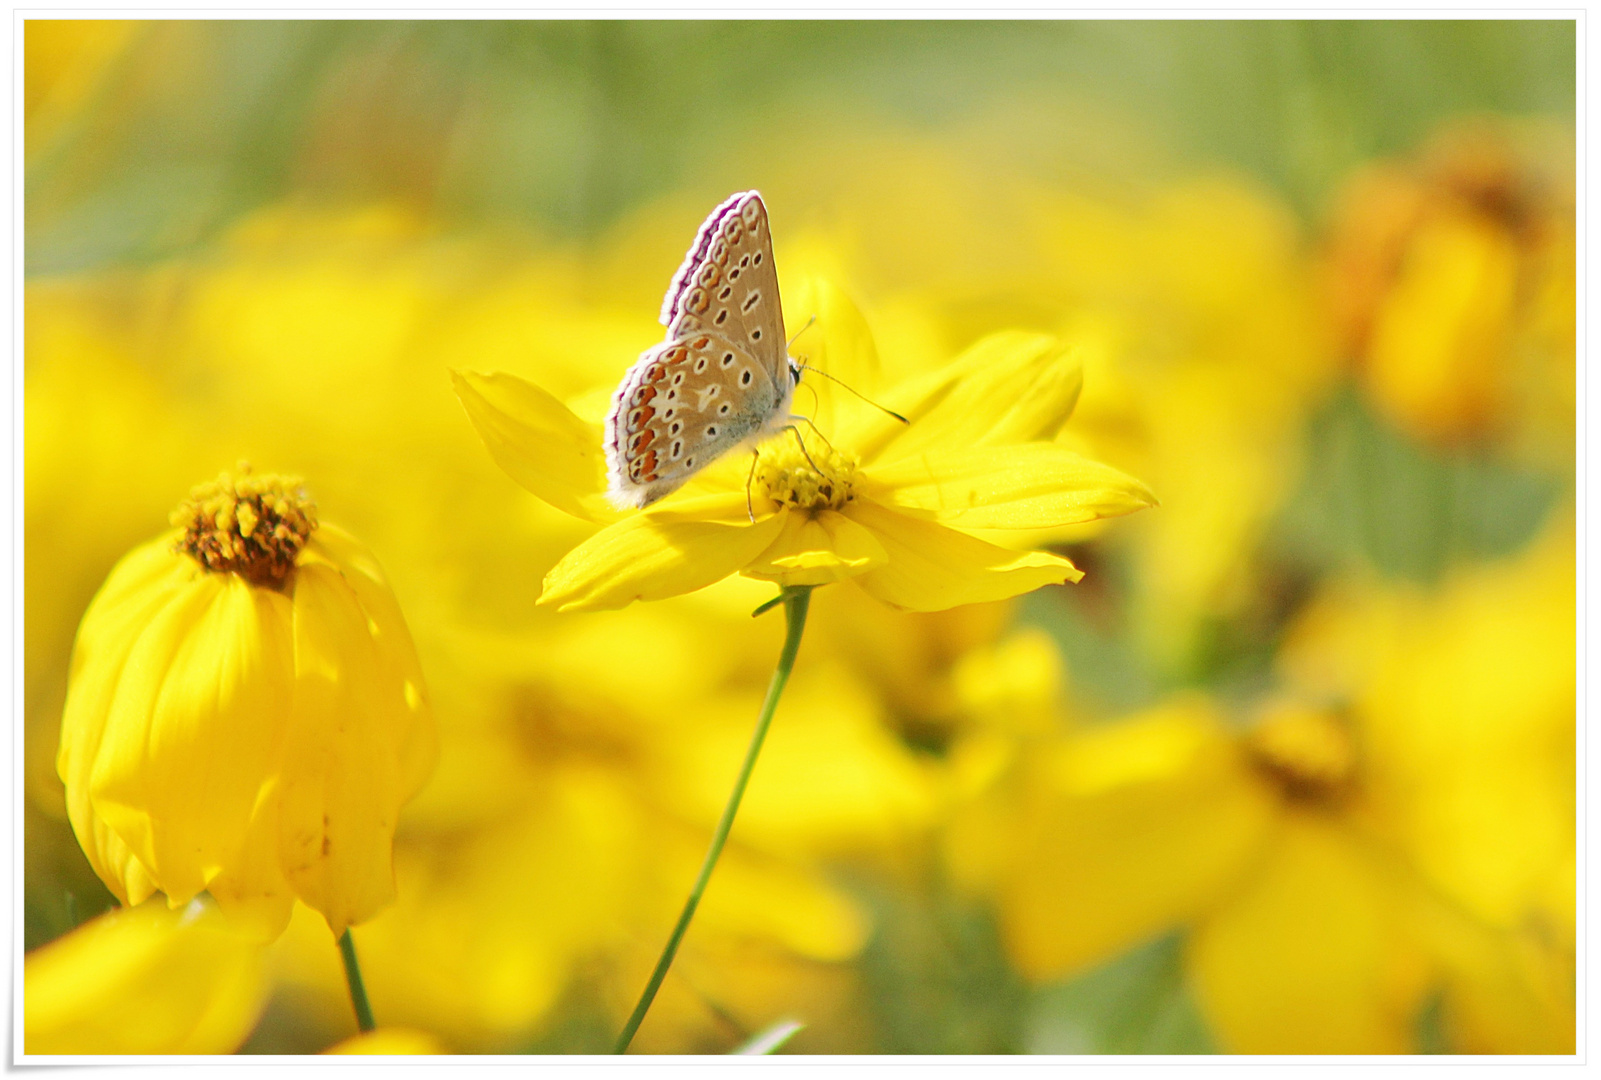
(358, 992)
(796, 599)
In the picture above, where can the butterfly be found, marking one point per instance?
(722, 379)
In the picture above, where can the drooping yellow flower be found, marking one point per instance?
(146, 980)
(878, 504)
(245, 714)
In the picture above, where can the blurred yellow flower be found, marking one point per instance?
(145, 980)
(245, 714)
(1450, 280)
(878, 513)
(1395, 824)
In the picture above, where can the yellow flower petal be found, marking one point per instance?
(655, 555)
(390, 1040)
(1037, 485)
(416, 739)
(343, 778)
(538, 441)
(1314, 956)
(143, 584)
(1011, 387)
(179, 774)
(816, 551)
(252, 889)
(840, 344)
(763, 898)
(143, 980)
(932, 568)
(1437, 357)
(1113, 836)
(1505, 991)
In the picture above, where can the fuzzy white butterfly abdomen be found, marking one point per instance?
(723, 377)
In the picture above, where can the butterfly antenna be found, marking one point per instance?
(801, 331)
(864, 397)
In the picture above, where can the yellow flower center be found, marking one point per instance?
(1307, 751)
(813, 480)
(253, 526)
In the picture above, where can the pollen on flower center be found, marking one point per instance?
(253, 526)
(1308, 752)
(785, 475)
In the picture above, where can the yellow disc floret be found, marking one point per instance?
(253, 526)
(810, 480)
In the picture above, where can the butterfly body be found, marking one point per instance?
(722, 379)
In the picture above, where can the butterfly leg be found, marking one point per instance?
(816, 468)
(750, 512)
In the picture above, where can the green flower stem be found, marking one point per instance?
(358, 992)
(796, 600)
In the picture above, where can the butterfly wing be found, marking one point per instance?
(681, 406)
(728, 286)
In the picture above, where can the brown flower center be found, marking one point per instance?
(253, 526)
(1307, 751)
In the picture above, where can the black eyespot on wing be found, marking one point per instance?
(726, 293)
(712, 390)
(745, 261)
(751, 301)
(675, 427)
(711, 430)
(722, 410)
(721, 315)
(678, 448)
(756, 334)
(728, 359)
(757, 258)
(678, 379)
(700, 365)
(744, 377)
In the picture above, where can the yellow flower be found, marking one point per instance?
(245, 714)
(1394, 826)
(1450, 280)
(146, 980)
(875, 504)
